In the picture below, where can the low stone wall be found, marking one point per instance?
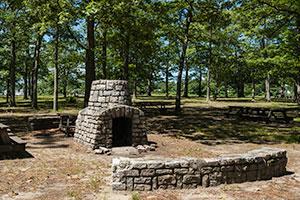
(139, 174)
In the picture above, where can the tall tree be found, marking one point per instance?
(186, 16)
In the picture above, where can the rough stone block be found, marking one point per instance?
(145, 180)
(139, 165)
(251, 175)
(118, 186)
(131, 172)
(206, 170)
(205, 180)
(163, 171)
(240, 177)
(147, 172)
(155, 164)
(189, 186)
(166, 179)
(189, 179)
(129, 183)
(154, 183)
(142, 187)
(181, 171)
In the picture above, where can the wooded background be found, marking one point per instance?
(212, 48)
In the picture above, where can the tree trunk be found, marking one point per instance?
(90, 73)
(149, 87)
(209, 63)
(253, 90)
(216, 92)
(240, 88)
(125, 75)
(7, 90)
(167, 81)
(65, 84)
(12, 75)
(200, 84)
(104, 55)
(34, 79)
(208, 85)
(65, 90)
(186, 81)
(182, 62)
(179, 77)
(30, 82)
(134, 94)
(267, 86)
(297, 91)
(25, 78)
(55, 75)
(282, 90)
(226, 89)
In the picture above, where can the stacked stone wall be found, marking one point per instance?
(108, 93)
(94, 129)
(139, 174)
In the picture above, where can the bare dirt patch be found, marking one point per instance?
(62, 169)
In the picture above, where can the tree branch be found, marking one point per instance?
(287, 20)
(75, 38)
(279, 9)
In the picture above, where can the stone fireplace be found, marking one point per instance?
(109, 120)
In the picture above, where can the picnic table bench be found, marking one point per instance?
(9, 143)
(67, 123)
(161, 105)
(267, 114)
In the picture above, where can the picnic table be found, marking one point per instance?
(10, 143)
(67, 123)
(161, 105)
(267, 114)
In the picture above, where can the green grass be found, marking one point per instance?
(73, 104)
(45, 104)
(199, 120)
(135, 196)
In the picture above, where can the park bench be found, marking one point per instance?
(9, 143)
(161, 105)
(258, 113)
(67, 123)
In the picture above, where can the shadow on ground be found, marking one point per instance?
(15, 155)
(211, 126)
(48, 139)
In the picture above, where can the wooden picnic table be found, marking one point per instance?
(161, 105)
(67, 123)
(266, 114)
(9, 142)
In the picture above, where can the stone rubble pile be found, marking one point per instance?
(139, 149)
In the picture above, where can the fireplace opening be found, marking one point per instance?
(122, 131)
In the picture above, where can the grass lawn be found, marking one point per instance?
(200, 120)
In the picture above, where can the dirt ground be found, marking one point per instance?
(62, 169)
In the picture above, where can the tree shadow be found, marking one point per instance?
(15, 155)
(211, 124)
(48, 139)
